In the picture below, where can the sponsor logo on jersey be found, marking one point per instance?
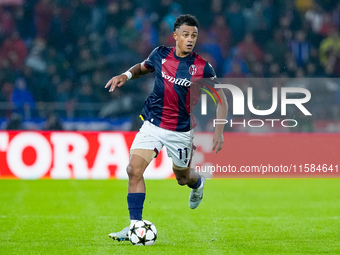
(192, 69)
(182, 82)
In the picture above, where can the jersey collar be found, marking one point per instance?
(191, 55)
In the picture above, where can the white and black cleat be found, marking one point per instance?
(196, 195)
(120, 236)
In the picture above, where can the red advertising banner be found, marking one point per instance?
(65, 155)
(103, 155)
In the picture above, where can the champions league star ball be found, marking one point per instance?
(143, 232)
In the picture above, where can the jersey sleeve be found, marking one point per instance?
(149, 63)
(209, 72)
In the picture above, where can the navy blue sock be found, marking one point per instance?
(135, 205)
(197, 184)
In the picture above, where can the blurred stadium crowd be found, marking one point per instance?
(57, 55)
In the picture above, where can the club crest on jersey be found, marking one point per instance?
(192, 69)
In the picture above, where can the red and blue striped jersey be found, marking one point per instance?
(175, 92)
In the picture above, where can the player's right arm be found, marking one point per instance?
(134, 72)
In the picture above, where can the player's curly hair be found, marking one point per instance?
(186, 19)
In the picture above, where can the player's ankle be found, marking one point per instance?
(197, 184)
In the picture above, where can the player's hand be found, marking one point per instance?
(218, 141)
(116, 81)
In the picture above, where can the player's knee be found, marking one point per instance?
(134, 172)
(182, 180)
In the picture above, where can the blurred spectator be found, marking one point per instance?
(95, 44)
(14, 51)
(99, 79)
(175, 9)
(231, 62)
(128, 35)
(14, 122)
(315, 17)
(54, 58)
(300, 73)
(274, 70)
(64, 100)
(140, 18)
(98, 16)
(24, 22)
(236, 71)
(330, 53)
(86, 97)
(327, 25)
(64, 91)
(126, 9)
(336, 16)
(110, 43)
(258, 70)
(290, 64)
(36, 58)
(7, 23)
(222, 33)
(236, 21)
(113, 16)
(258, 15)
(314, 59)
(300, 48)
(53, 122)
(43, 13)
(210, 45)
(6, 92)
(36, 70)
(79, 24)
(86, 63)
(6, 98)
(149, 38)
(268, 13)
(311, 70)
(57, 30)
(304, 5)
(276, 47)
(284, 27)
(22, 99)
(165, 35)
(249, 50)
(216, 7)
(163, 8)
(291, 13)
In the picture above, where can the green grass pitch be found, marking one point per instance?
(237, 216)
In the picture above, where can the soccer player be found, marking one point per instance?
(167, 116)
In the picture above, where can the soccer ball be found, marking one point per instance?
(143, 232)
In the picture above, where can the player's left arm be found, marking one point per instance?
(222, 107)
(221, 113)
